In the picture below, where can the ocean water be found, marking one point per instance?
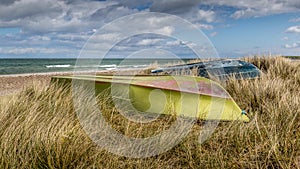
(22, 66)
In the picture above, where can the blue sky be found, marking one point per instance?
(60, 28)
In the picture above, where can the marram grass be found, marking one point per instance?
(39, 128)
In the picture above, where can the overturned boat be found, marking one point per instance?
(194, 97)
(220, 69)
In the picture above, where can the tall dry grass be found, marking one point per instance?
(39, 128)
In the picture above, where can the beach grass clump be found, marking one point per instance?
(39, 128)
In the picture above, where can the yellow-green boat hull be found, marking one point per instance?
(146, 95)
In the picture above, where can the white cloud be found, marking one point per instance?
(173, 6)
(155, 21)
(73, 36)
(259, 11)
(293, 29)
(45, 16)
(285, 38)
(244, 8)
(292, 46)
(208, 16)
(294, 20)
(204, 26)
(30, 8)
(166, 30)
(257, 8)
(174, 43)
(243, 13)
(142, 23)
(79, 15)
(146, 42)
(108, 37)
(213, 34)
(39, 38)
(32, 50)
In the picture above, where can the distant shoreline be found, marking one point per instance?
(28, 66)
(14, 83)
(50, 73)
(34, 74)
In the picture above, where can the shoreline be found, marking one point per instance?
(49, 73)
(72, 72)
(14, 83)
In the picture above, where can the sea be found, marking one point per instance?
(26, 66)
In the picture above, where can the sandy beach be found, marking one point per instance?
(11, 84)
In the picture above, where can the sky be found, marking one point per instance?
(62, 28)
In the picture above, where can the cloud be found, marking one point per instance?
(258, 11)
(80, 16)
(106, 37)
(110, 13)
(136, 3)
(204, 26)
(294, 20)
(54, 15)
(147, 42)
(213, 34)
(292, 46)
(73, 37)
(244, 8)
(159, 24)
(208, 16)
(241, 8)
(40, 38)
(174, 6)
(70, 23)
(32, 50)
(293, 29)
(256, 8)
(30, 8)
(174, 43)
(166, 30)
(285, 38)
(7, 2)
(243, 13)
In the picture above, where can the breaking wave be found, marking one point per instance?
(57, 66)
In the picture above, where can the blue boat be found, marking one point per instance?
(221, 69)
